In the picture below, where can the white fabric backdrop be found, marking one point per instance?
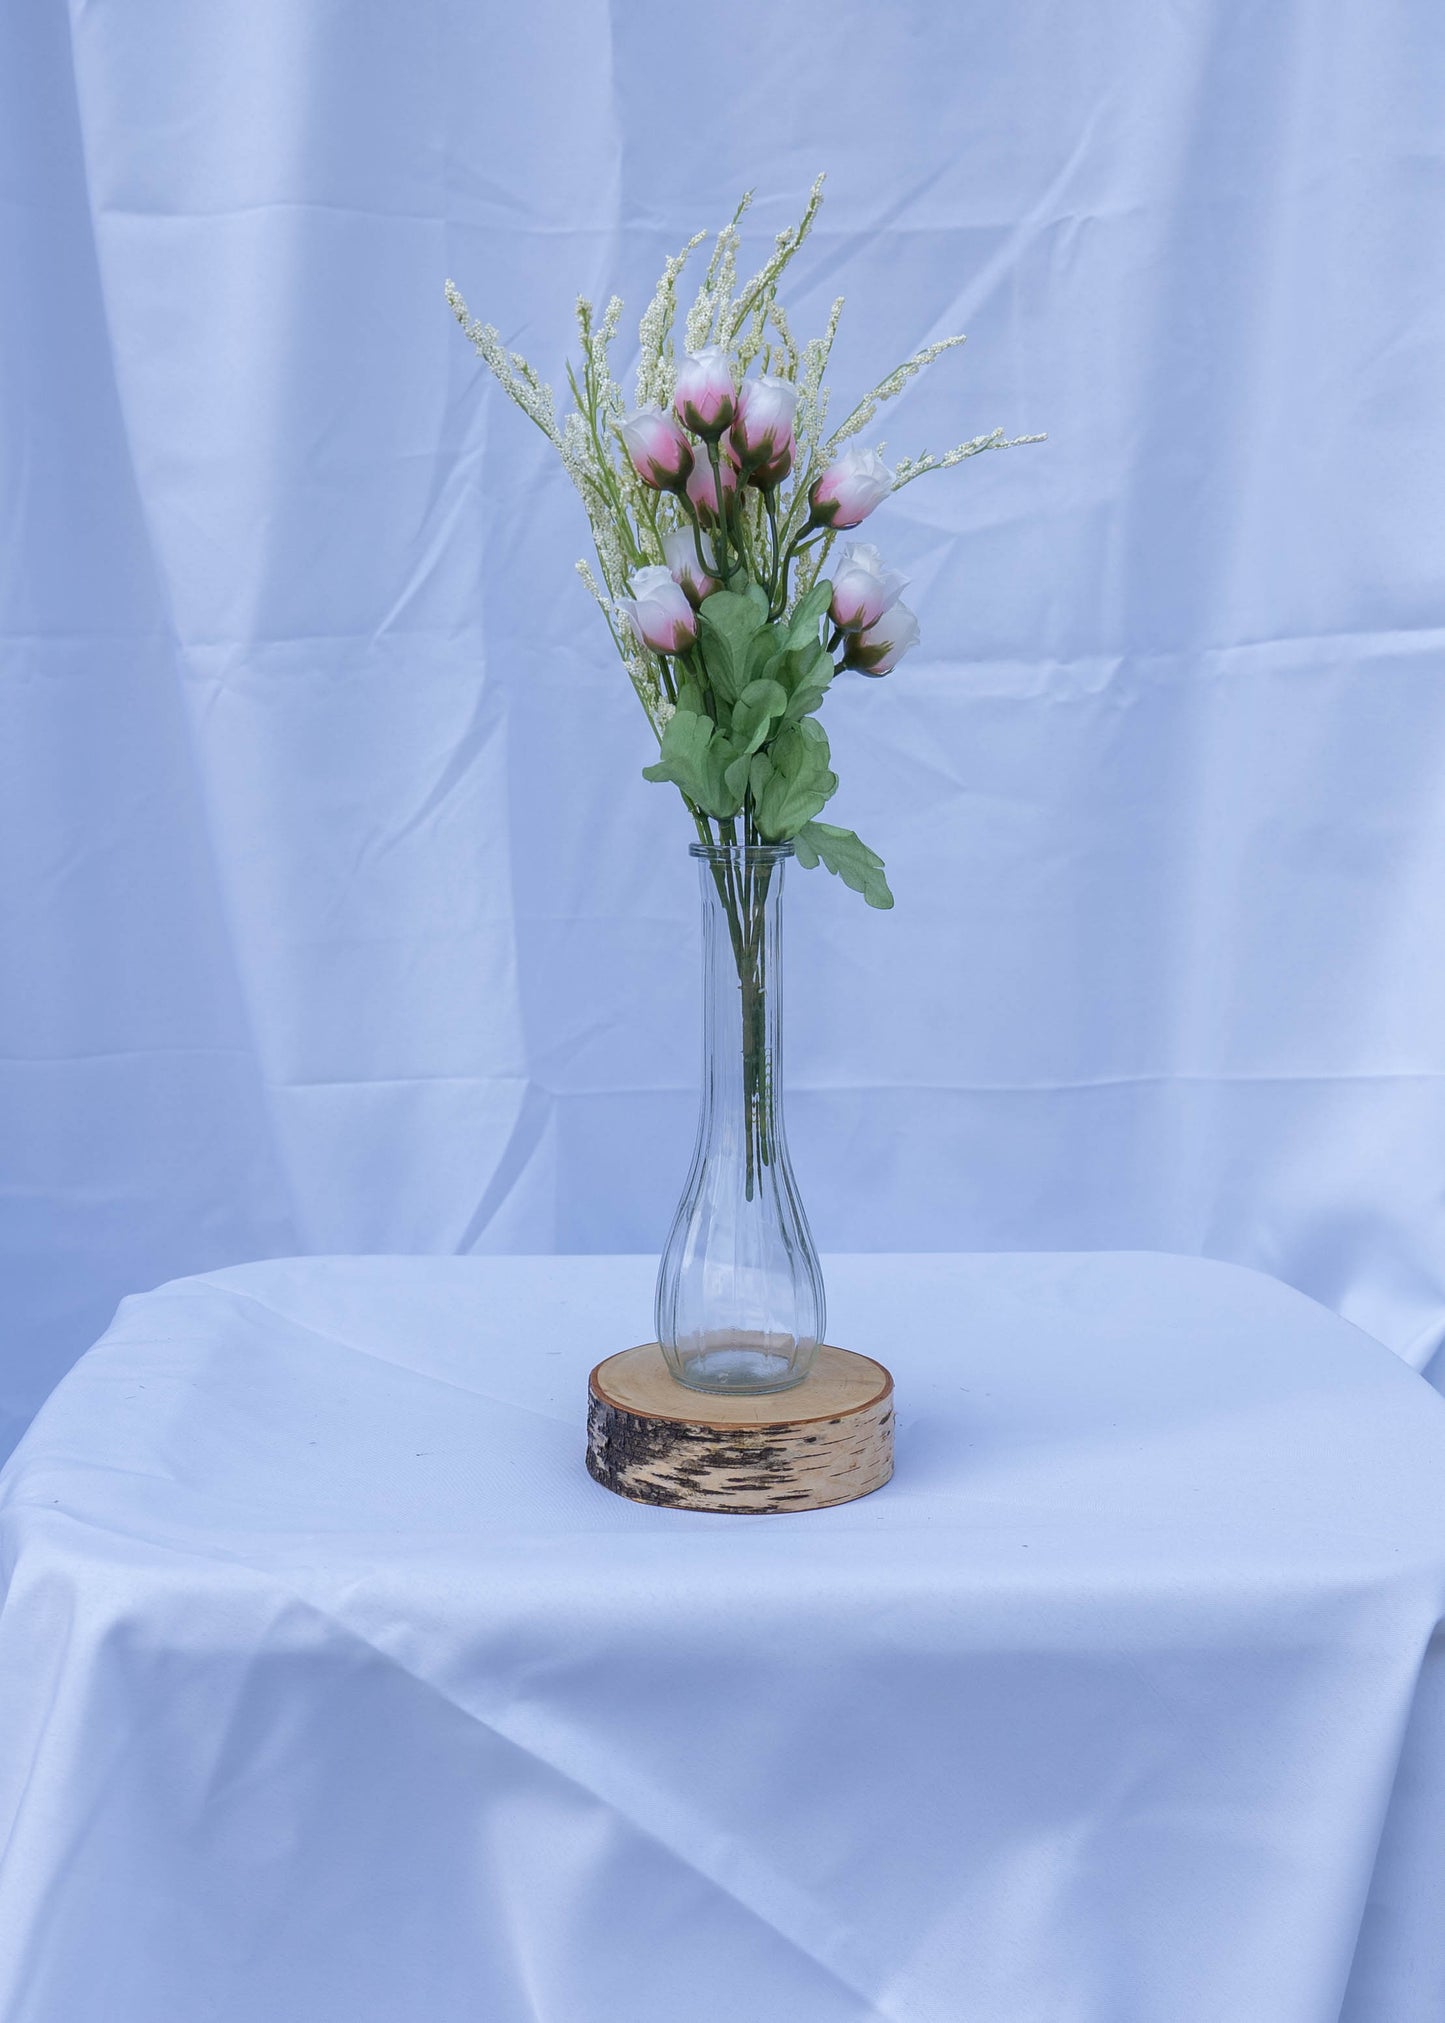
(336, 915)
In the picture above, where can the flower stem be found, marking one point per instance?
(715, 459)
(777, 579)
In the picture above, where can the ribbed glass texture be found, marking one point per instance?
(739, 1292)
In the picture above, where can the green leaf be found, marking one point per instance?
(803, 701)
(725, 797)
(801, 664)
(736, 774)
(754, 711)
(696, 757)
(764, 651)
(847, 856)
(729, 620)
(809, 692)
(797, 783)
(804, 621)
(690, 697)
(683, 759)
(788, 804)
(805, 672)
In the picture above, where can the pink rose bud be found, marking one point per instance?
(764, 421)
(705, 399)
(659, 611)
(701, 489)
(884, 644)
(769, 475)
(863, 589)
(680, 548)
(661, 454)
(848, 490)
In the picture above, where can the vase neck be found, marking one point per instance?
(742, 888)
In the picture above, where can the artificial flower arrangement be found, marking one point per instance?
(715, 504)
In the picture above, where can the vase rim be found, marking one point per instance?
(718, 853)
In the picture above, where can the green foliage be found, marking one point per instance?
(698, 758)
(805, 672)
(743, 734)
(840, 851)
(764, 651)
(803, 624)
(755, 712)
(729, 621)
(690, 697)
(735, 776)
(791, 781)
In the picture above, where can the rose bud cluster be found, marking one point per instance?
(863, 588)
(660, 452)
(883, 644)
(849, 489)
(692, 579)
(751, 424)
(704, 399)
(659, 611)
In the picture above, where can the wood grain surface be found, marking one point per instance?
(827, 1441)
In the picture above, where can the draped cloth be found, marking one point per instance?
(332, 1686)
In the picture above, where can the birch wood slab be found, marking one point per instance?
(827, 1441)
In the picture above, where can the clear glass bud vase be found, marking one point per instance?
(739, 1291)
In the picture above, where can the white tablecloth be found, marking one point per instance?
(331, 1687)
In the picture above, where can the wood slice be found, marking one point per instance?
(826, 1441)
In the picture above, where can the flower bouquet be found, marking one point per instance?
(715, 503)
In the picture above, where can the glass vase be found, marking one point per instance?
(739, 1291)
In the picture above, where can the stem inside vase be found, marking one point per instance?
(740, 1294)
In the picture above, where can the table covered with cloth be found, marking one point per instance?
(333, 1690)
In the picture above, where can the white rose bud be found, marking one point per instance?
(705, 399)
(659, 612)
(863, 588)
(763, 430)
(687, 572)
(883, 645)
(850, 489)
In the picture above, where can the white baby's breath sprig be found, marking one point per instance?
(512, 372)
(814, 363)
(787, 364)
(641, 666)
(759, 291)
(811, 566)
(596, 344)
(812, 414)
(888, 388)
(642, 673)
(909, 468)
(656, 368)
(715, 292)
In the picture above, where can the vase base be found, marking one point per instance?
(827, 1440)
(739, 1369)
